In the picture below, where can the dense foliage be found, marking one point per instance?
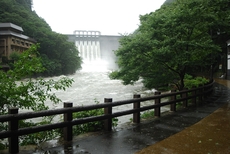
(181, 37)
(58, 55)
(18, 89)
(191, 82)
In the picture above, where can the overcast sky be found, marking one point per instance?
(110, 17)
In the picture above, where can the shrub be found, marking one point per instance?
(147, 114)
(191, 82)
(90, 126)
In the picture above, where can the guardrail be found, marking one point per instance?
(196, 95)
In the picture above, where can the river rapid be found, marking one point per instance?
(93, 83)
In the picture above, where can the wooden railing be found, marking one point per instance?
(196, 95)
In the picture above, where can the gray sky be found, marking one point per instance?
(111, 17)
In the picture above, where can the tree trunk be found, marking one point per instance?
(182, 80)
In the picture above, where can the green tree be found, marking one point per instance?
(168, 1)
(54, 47)
(25, 3)
(18, 89)
(168, 44)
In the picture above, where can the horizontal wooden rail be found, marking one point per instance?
(173, 98)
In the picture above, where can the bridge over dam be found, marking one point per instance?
(93, 46)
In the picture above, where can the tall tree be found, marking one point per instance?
(168, 44)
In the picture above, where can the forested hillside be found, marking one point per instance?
(58, 55)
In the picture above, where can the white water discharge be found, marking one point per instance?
(93, 83)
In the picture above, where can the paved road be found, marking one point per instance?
(202, 129)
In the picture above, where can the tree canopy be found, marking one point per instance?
(173, 41)
(58, 55)
(19, 90)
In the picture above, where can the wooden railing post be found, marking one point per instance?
(68, 117)
(208, 91)
(157, 111)
(194, 96)
(108, 111)
(13, 126)
(136, 105)
(205, 92)
(201, 94)
(173, 98)
(185, 102)
(212, 89)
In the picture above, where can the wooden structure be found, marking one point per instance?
(12, 40)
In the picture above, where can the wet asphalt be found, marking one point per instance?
(132, 138)
(208, 136)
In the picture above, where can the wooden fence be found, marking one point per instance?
(196, 95)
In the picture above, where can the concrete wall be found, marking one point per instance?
(108, 44)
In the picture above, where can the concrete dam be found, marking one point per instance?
(93, 46)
